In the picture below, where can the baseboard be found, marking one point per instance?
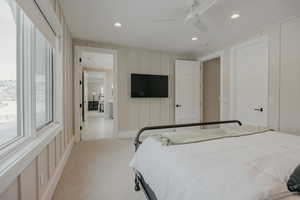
(58, 172)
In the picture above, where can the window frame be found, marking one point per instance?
(49, 71)
(19, 82)
(25, 93)
(15, 157)
(22, 76)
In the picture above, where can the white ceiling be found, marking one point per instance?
(97, 60)
(94, 19)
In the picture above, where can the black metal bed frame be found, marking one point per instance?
(139, 180)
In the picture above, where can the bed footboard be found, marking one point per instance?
(137, 142)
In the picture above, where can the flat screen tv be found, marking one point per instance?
(149, 86)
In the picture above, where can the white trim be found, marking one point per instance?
(218, 54)
(212, 56)
(51, 16)
(77, 69)
(58, 172)
(105, 94)
(233, 50)
(13, 166)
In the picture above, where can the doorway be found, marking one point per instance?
(211, 89)
(96, 92)
(98, 104)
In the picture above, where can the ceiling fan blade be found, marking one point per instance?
(199, 24)
(162, 20)
(205, 5)
(199, 7)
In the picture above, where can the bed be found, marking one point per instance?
(249, 167)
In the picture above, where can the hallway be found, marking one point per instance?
(97, 127)
(98, 170)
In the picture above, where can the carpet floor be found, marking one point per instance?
(98, 170)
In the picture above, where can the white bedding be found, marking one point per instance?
(252, 167)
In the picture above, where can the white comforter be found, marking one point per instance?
(245, 168)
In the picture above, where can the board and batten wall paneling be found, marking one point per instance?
(51, 158)
(134, 63)
(28, 182)
(35, 181)
(274, 77)
(135, 113)
(43, 173)
(12, 192)
(165, 114)
(290, 77)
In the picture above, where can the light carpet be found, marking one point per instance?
(98, 170)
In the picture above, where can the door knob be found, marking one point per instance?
(259, 109)
(177, 105)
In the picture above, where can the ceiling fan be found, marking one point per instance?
(196, 8)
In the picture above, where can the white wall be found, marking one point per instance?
(39, 170)
(134, 113)
(290, 77)
(283, 50)
(108, 85)
(108, 96)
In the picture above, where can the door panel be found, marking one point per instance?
(251, 82)
(187, 92)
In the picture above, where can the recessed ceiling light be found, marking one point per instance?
(117, 24)
(194, 38)
(235, 15)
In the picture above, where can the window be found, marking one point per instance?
(26, 75)
(43, 81)
(8, 73)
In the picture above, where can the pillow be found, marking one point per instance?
(293, 183)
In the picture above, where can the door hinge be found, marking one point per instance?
(80, 82)
(80, 60)
(80, 127)
(80, 105)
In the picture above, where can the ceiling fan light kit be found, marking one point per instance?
(196, 8)
(235, 15)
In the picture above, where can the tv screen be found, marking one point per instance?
(153, 86)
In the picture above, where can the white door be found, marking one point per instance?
(187, 92)
(250, 69)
